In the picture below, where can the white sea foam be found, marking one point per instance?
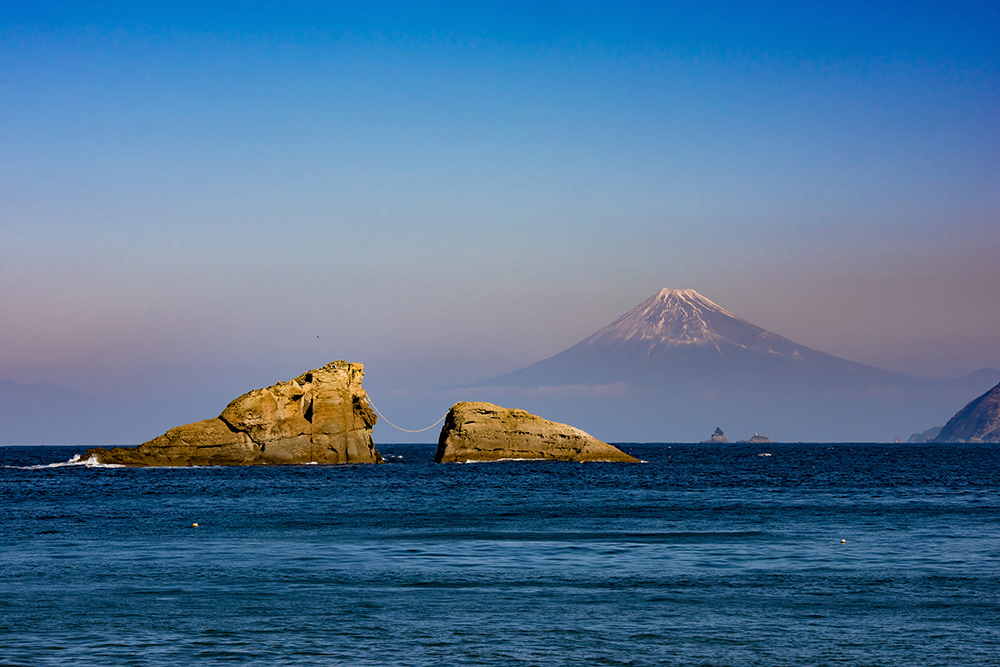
(764, 454)
(77, 460)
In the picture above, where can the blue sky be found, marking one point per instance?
(191, 194)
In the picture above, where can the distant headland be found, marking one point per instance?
(979, 421)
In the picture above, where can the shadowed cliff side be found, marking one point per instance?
(979, 421)
(322, 416)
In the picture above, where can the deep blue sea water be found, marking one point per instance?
(705, 555)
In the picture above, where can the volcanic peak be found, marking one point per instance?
(679, 317)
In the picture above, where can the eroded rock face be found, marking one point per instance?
(979, 421)
(322, 416)
(487, 432)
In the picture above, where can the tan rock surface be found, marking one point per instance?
(487, 432)
(322, 416)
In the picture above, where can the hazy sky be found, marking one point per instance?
(190, 196)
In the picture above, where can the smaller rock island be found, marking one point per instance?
(757, 438)
(488, 432)
(322, 416)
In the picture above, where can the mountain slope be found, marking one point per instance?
(679, 336)
(676, 318)
(678, 365)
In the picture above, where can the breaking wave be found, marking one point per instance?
(76, 461)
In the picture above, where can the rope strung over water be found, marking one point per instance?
(406, 430)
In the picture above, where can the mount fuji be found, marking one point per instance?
(678, 365)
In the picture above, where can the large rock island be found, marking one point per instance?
(487, 432)
(979, 421)
(322, 416)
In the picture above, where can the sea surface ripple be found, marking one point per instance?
(853, 554)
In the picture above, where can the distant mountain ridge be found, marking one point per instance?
(42, 413)
(680, 358)
(38, 413)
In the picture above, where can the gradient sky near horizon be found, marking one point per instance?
(191, 192)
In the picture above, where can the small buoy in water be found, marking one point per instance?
(842, 541)
(194, 525)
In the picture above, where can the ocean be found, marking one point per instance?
(706, 554)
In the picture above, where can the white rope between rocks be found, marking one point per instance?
(406, 430)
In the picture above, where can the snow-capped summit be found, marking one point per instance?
(670, 317)
(679, 317)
